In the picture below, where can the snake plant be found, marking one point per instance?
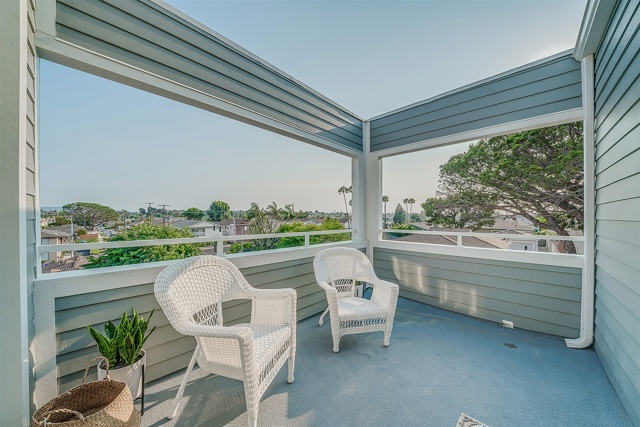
(121, 345)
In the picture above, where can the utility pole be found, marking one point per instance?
(164, 214)
(149, 210)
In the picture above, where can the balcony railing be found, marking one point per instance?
(211, 245)
(497, 241)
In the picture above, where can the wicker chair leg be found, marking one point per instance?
(321, 321)
(291, 366)
(387, 338)
(174, 407)
(253, 402)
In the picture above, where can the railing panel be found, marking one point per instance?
(534, 297)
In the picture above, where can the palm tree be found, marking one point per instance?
(406, 206)
(344, 190)
(411, 202)
(385, 199)
(289, 212)
(275, 211)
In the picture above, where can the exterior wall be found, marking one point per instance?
(167, 351)
(155, 39)
(17, 210)
(617, 124)
(549, 86)
(535, 297)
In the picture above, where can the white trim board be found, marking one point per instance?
(538, 258)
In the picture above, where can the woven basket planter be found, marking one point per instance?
(96, 404)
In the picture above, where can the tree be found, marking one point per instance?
(406, 207)
(275, 211)
(89, 214)
(537, 174)
(399, 216)
(60, 220)
(219, 211)
(137, 255)
(458, 211)
(344, 190)
(193, 213)
(411, 201)
(385, 199)
(327, 224)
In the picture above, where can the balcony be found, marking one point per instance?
(449, 352)
(439, 364)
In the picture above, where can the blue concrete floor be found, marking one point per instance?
(439, 365)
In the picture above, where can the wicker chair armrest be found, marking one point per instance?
(241, 333)
(330, 290)
(384, 293)
(274, 306)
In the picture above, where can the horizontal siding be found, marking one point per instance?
(543, 88)
(538, 298)
(147, 36)
(617, 99)
(167, 350)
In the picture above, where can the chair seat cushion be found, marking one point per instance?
(354, 308)
(269, 343)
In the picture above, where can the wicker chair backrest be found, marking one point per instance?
(192, 290)
(341, 267)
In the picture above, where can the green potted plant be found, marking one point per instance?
(122, 345)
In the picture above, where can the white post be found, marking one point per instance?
(14, 282)
(306, 240)
(358, 197)
(220, 248)
(459, 240)
(373, 193)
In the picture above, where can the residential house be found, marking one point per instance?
(53, 237)
(198, 228)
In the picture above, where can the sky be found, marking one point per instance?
(111, 144)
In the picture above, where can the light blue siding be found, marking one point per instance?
(534, 297)
(147, 36)
(617, 97)
(545, 87)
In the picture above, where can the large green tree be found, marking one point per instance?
(193, 213)
(137, 255)
(537, 174)
(89, 214)
(219, 211)
(458, 211)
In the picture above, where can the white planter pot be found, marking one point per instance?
(131, 375)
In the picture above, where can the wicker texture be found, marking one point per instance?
(104, 403)
(191, 293)
(337, 270)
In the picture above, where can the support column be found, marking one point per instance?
(14, 356)
(373, 206)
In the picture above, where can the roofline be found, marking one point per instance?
(477, 83)
(594, 23)
(255, 58)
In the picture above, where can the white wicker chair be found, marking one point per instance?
(190, 293)
(337, 270)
